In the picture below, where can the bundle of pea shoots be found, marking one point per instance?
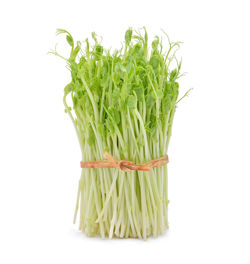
(123, 105)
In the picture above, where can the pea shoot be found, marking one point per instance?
(123, 103)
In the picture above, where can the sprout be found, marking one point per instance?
(123, 103)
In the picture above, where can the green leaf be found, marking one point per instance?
(109, 125)
(68, 88)
(150, 101)
(159, 94)
(101, 129)
(91, 139)
(173, 75)
(75, 51)
(128, 36)
(131, 101)
(119, 68)
(155, 43)
(154, 61)
(70, 40)
(117, 117)
(115, 95)
(139, 93)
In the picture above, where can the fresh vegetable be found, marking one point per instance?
(123, 103)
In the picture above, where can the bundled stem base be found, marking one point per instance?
(114, 203)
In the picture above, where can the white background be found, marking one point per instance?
(209, 175)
